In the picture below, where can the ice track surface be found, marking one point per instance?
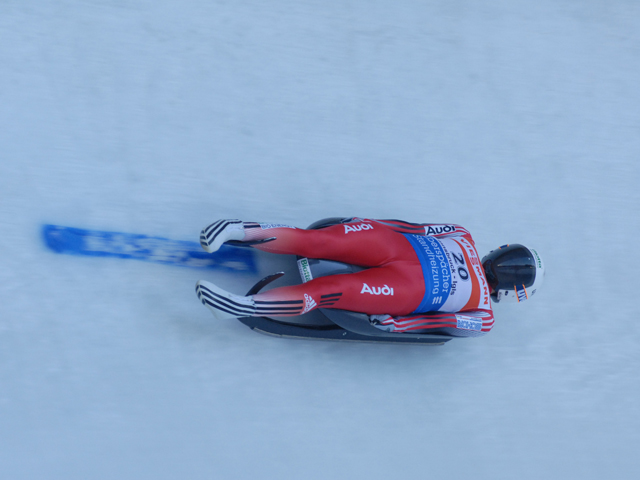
(519, 121)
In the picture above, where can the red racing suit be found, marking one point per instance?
(419, 278)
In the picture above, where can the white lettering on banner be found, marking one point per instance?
(465, 322)
(386, 290)
(357, 228)
(439, 229)
(436, 300)
(309, 303)
(440, 266)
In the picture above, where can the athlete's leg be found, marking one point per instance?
(361, 243)
(395, 289)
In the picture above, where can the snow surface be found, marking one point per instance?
(518, 120)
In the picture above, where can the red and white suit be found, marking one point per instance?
(419, 278)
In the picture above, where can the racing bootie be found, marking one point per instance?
(213, 236)
(222, 303)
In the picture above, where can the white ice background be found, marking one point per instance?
(518, 120)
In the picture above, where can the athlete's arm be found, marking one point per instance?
(471, 323)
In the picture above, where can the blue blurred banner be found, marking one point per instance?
(96, 243)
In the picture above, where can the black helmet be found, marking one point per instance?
(514, 272)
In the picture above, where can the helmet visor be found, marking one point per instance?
(509, 266)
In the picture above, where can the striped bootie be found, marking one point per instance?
(213, 236)
(222, 303)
